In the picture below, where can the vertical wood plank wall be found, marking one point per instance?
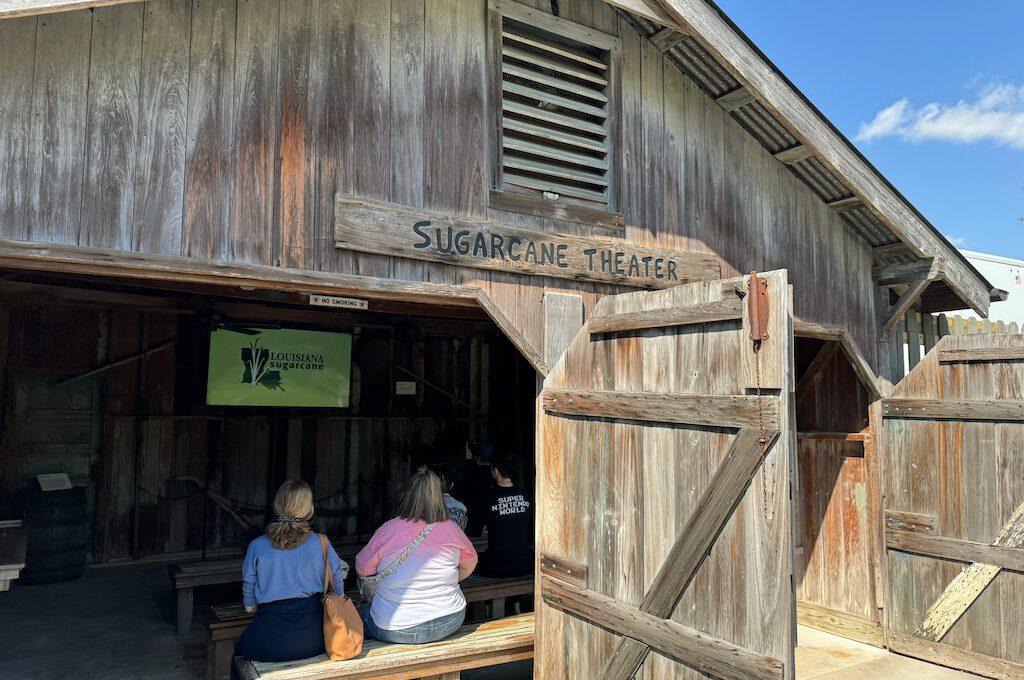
(223, 129)
(835, 564)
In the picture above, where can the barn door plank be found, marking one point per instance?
(694, 543)
(649, 444)
(969, 585)
(950, 434)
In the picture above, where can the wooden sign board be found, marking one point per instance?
(389, 229)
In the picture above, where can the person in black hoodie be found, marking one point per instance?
(507, 515)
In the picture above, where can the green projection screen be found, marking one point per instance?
(278, 367)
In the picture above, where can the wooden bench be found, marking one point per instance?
(189, 576)
(229, 620)
(13, 540)
(476, 645)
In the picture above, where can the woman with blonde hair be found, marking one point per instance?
(417, 560)
(283, 577)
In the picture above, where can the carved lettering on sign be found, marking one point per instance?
(389, 229)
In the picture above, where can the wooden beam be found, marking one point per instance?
(906, 272)
(835, 436)
(731, 308)
(114, 364)
(705, 410)
(555, 210)
(897, 249)
(736, 53)
(666, 39)
(859, 363)
(564, 569)
(951, 356)
(513, 333)
(809, 329)
(648, 9)
(737, 99)
(1010, 410)
(969, 584)
(955, 549)
(843, 624)
(844, 204)
(906, 301)
(397, 230)
(954, 657)
(21, 8)
(794, 155)
(696, 538)
(916, 522)
(172, 269)
(63, 294)
(707, 654)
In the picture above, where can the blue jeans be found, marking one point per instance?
(429, 631)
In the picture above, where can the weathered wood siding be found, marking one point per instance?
(223, 129)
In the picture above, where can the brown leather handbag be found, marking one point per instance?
(343, 629)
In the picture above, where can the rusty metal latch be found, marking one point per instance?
(757, 307)
(757, 314)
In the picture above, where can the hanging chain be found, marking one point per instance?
(763, 439)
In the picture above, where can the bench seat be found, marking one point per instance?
(474, 646)
(229, 620)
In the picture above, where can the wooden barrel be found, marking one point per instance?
(58, 535)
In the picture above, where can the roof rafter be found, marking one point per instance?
(713, 31)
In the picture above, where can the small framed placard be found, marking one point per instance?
(405, 388)
(55, 481)
(337, 302)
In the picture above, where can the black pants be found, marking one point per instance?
(285, 630)
(498, 564)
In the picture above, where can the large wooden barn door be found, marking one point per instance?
(953, 456)
(664, 515)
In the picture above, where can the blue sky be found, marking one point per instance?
(931, 92)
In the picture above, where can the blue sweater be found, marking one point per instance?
(269, 574)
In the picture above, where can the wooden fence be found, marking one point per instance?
(916, 333)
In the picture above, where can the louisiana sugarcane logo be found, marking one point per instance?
(266, 367)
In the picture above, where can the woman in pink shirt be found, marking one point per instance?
(419, 600)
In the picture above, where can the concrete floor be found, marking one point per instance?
(823, 656)
(117, 623)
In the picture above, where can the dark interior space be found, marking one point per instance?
(107, 382)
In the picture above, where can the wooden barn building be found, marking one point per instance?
(525, 222)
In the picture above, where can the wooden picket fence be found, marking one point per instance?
(915, 335)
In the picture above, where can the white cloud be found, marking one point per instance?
(996, 114)
(958, 241)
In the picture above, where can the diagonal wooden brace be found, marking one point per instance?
(968, 586)
(694, 543)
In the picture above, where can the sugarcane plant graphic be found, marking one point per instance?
(257, 367)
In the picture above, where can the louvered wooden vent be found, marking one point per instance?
(555, 139)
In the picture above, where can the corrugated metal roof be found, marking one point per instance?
(820, 180)
(695, 62)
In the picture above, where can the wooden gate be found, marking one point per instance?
(664, 526)
(953, 459)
